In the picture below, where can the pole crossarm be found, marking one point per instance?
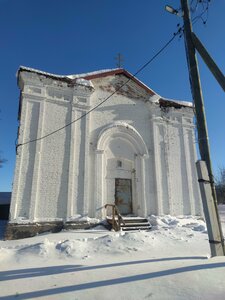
(208, 61)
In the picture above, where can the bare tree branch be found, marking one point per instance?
(220, 185)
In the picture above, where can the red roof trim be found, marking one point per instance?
(118, 72)
(104, 74)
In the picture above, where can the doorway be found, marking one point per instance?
(123, 195)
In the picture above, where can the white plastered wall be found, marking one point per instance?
(51, 174)
(72, 173)
(175, 156)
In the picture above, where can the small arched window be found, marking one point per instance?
(119, 164)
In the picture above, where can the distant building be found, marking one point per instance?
(5, 198)
(136, 150)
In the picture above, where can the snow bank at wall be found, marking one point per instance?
(171, 261)
(97, 242)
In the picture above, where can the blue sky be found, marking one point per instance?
(71, 37)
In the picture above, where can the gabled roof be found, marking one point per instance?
(120, 72)
(90, 76)
(109, 72)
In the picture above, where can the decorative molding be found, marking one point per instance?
(122, 129)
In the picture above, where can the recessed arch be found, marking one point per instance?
(134, 169)
(123, 130)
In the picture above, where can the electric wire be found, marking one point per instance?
(107, 98)
(179, 32)
(201, 16)
(204, 14)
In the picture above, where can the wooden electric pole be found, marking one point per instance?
(213, 224)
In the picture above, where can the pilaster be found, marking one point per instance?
(100, 176)
(71, 208)
(15, 202)
(37, 161)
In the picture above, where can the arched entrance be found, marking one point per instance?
(120, 164)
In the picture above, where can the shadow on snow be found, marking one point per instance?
(17, 274)
(36, 272)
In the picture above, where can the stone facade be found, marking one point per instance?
(135, 135)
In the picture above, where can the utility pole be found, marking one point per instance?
(213, 224)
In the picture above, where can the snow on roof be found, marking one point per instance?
(83, 79)
(72, 76)
(84, 75)
(179, 102)
(89, 76)
(85, 82)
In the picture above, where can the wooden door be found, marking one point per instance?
(123, 195)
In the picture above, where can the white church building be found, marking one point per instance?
(99, 138)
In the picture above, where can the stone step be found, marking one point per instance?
(132, 223)
(140, 221)
(136, 228)
(129, 219)
(135, 224)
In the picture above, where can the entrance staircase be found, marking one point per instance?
(132, 223)
(128, 223)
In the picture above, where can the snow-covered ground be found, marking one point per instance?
(171, 261)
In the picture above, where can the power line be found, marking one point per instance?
(107, 98)
(204, 13)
